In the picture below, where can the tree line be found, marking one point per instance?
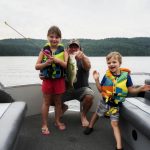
(139, 46)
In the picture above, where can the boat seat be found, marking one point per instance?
(11, 117)
(137, 111)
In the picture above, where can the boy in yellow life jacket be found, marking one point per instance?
(114, 87)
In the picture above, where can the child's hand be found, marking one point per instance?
(145, 88)
(56, 60)
(95, 75)
(49, 60)
(47, 54)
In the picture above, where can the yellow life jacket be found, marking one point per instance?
(114, 89)
(53, 71)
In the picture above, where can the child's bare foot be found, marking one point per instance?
(84, 121)
(45, 130)
(64, 109)
(60, 126)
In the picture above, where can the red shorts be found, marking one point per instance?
(53, 86)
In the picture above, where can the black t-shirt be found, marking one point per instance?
(82, 76)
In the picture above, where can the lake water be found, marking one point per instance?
(21, 71)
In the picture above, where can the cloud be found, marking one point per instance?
(76, 18)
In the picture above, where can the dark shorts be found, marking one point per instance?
(77, 94)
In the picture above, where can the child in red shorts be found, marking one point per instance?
(52, 62)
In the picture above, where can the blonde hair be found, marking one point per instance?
(54, 30)
(116, 55)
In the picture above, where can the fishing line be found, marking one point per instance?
(22, 35)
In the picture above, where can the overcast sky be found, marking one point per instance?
(92, 19)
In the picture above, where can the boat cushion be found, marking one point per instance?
(137, 111)
(11, 117)
(3, 108)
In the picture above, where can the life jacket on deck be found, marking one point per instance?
(53, 71)
(114, 89)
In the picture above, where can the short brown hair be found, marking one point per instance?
(54, 30)
(115, 55)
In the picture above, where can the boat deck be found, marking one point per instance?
(30, 137)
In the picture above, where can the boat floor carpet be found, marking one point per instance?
(30, 137)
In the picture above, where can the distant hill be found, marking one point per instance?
(139, 46)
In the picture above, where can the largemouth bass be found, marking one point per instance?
(71, 71)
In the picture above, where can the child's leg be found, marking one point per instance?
(58, 111)
(117, 133)
(45, 109)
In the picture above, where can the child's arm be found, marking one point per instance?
(96, 78)
(61, 62)
(39, 65)
(136, 90)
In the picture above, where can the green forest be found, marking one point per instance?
(139, 46)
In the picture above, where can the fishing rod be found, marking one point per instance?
(22, 35)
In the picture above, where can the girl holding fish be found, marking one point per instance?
(52, 62)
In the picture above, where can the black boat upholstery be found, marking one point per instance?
(11, 116)
(5, 97)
